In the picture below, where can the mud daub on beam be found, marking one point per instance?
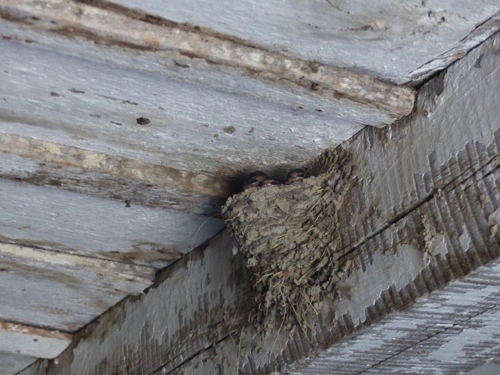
(285, 232)
(455, 230)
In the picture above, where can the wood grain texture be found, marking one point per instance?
(354, 91)
(450, 139)
(101, 175)
(390, 39)
(31, 342)
(13, 363)
(67, 222)
(62, 291)
(172, 319)
(451, 331)
(425, 212)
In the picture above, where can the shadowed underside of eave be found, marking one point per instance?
(122, 132)
(420, 229)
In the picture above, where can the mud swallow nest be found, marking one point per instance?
(288, 236)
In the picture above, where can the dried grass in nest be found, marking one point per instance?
(287, 234)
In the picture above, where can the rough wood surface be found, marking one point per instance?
(120, 26)
(32, 341)
(425, 212)
(67, 222)
(13, 363)
(172, 316)
(451, 138)
(115, 103)
(62, 291)
(448, 332)
(106, 176)
(391, 39)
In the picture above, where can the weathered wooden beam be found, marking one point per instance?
(453, 330)
(448, 140)
(32, 341)
(114, 25)
(77, 128)
(390, 39)
(450, 331)
(428, 190)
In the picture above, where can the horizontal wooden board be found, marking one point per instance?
(31, 342)
(389, 38)
(73, 223)
(61, 291)
(238, 124)
(102, 175)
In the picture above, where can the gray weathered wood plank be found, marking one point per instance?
(419, 341)
(73, 223)
(31, 342)
(62, 291)
(106, 176)
(188, 124)
(364, 100)
(13, 363)
(390, 39)
(428, 191)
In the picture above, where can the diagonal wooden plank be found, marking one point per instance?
(107, 176)
(393, 40)
(54, 219)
